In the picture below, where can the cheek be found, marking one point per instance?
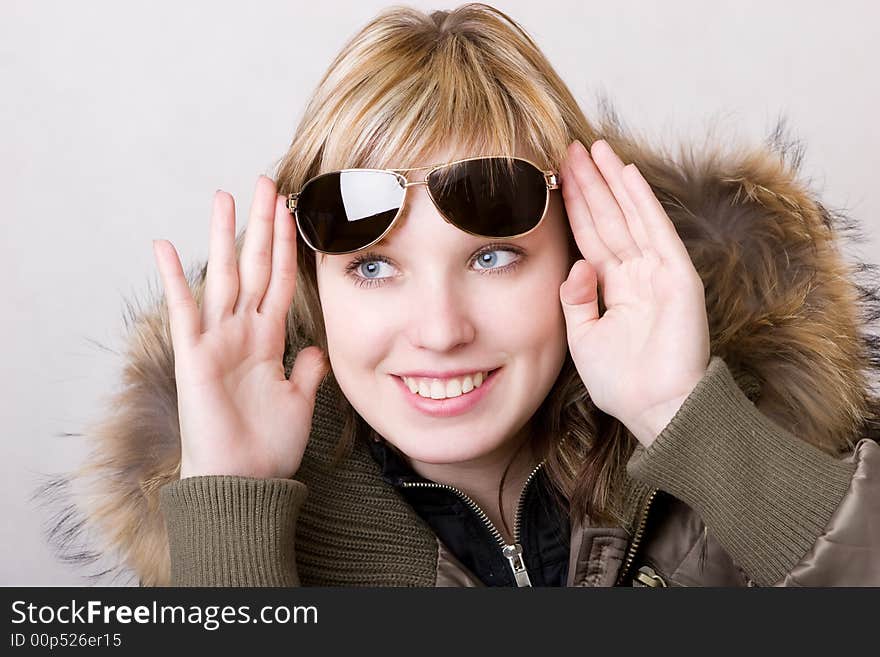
(530, 308)
(357, 330)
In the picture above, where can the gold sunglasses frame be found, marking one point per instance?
(551, 180)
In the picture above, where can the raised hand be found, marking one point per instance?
(239, 414)
(641, 359)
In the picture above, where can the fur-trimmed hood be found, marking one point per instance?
(791, 316)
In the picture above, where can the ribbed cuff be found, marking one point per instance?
(228, 530)
(765, 494)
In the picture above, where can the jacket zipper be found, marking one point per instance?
(512, 552)
(637, 539)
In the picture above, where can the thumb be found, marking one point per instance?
(579, 295)
(309, 369)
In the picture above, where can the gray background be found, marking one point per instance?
(120, 119)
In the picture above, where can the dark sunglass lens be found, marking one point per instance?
(347, 210)
(490, 196)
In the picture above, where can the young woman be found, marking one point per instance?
(462, 342)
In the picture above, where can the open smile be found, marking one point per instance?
(448, 406)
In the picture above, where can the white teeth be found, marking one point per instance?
(453, 388)
(424, 388)
(438, 390)
(443, 389)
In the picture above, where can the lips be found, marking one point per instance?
(449, 406)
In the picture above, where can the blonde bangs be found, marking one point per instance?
(394, 97)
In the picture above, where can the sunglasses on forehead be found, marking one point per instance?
(493, 196)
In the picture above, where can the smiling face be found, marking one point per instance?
(431, 299)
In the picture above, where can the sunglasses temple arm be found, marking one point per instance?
(291, 202)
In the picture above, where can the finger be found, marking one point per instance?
(659, 226)
(183, 313)
(607, 215)
(584, 230)
(611, 166)
(221, 285)
(579, 295)
(309, 369)
(256, 253)
(282, 285)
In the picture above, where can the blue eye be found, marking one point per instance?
(370, 268)
(365, 268)
(488, 260)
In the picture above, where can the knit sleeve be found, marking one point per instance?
(767, 495)
(232, 531)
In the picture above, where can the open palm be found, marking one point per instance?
(643, 356)
(239, 413)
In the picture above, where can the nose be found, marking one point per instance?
(441, 319)
(440, 316)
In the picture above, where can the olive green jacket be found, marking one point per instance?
(780, 512)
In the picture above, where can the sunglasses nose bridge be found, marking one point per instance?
(415, 182)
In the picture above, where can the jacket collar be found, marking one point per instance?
(596, 552)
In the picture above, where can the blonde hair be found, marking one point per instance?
(472, 79)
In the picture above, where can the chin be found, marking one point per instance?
(440, 447)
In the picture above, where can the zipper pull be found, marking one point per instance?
(647, 576)
(517, 565)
